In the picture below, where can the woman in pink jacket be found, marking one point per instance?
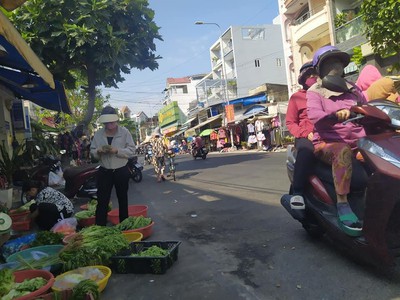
(302, 129)
(334, 141)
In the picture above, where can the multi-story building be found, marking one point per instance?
(309, 25)
(182, 90)
(243, 58)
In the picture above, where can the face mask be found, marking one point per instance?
(310, 81)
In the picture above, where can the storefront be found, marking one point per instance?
(169, 119)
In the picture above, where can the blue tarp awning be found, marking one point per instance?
(17, 75)
(249, 100)
(254, 110)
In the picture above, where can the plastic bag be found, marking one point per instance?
(65, 226)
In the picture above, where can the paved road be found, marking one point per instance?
(237, 241)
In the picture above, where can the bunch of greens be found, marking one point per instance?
(84, 214)
(93, 245)
(92, 204)
(10, 290)
(153, 251)
(6, 281)
(133, 223)
(84, 288)
(45, 237)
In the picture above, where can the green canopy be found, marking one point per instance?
(206, 132)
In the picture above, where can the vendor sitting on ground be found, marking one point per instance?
(50, 205)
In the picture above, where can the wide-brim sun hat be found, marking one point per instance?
(329, 51)
(156, 132)
(107, 115)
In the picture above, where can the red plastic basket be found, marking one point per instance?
(19, 216)
(87, 222)
(146, 231)
(21, 225)
(133, 211)
(20, 276)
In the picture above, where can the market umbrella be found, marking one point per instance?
(206, 132)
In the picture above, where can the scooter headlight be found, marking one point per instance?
(385, 154)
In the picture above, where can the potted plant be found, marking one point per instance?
(8, 165)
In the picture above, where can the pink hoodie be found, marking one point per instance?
(368, 75)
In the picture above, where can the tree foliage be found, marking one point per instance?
(100, 39)
(382, 21)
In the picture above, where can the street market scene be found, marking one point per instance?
(163, 149)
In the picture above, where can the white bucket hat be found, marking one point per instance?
(108, 114)
(156, 132)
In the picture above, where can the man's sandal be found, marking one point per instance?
(353, 227)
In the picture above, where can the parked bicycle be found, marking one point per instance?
(171, 163)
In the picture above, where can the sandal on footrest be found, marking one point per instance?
(297, 202)
(353, 227)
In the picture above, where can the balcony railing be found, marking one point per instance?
(349, 30)
(308, 15)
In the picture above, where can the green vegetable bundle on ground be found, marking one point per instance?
(93, 245)
(9, 289)
(92, 204)
(133, 223)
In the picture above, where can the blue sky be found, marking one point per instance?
(185, 49)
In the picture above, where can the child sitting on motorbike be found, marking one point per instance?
(50, 205)
(334, 141)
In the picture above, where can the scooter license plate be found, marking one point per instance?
(138, 165)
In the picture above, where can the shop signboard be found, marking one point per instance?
(169, 114)
(229, 113)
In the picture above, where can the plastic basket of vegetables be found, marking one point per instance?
(137, 224)
(85, 218)
(68, 280)
(133, 211)
(133, 236)
(154, 257)
(24, 285)
(92, 204)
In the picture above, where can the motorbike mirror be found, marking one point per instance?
(335, 83)
(63, 151)
(37, 148)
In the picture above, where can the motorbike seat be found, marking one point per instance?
(359, 176)
(74, 171)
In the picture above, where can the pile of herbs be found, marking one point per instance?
(133, 223)
(44, 238)
(9, 289)
(93, 245)
(153, 251)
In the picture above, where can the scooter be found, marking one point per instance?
(201, 152)
(80, 181)
(375, 189)
(135, 168)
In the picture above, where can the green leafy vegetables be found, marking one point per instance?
(84, 214)
(133, 223)
(153, 251)
(9, 289)
(47, 238)
(85, 287)
(93, 245)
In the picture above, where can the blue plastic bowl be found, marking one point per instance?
(37, 253)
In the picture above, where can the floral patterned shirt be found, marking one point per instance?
(52, 196)
(158, 147)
